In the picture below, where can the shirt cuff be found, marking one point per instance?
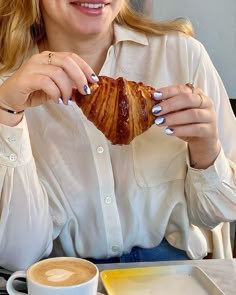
(15, 148)
(215, 174)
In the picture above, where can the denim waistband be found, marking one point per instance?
(163, 252)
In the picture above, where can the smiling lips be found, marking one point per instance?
(90, 5)
(93, 6)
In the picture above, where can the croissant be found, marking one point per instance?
(119, 108)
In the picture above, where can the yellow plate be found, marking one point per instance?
(163, 280)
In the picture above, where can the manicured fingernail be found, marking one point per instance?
(169, 131)
(95, 77)
(156, 109)
(159, 121)
(70, 102)
(60, 101)
(157, 95)
(87, 89)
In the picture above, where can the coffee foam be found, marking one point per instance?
(61, 272)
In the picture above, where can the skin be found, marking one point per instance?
(192, 118)
(88, 34)
(69, 29)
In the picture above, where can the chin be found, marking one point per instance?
(92, 30)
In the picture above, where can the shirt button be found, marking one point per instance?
(108, 200)
(115, 248)
(12, 157)
(12, 139)
(100, 149)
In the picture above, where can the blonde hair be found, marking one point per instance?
(21, 27)
(138, 21)
(17, 18)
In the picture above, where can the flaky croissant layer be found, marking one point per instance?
(119, 108)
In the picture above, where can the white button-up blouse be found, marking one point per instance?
(65, 187)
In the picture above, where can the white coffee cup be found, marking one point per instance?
(58, 276)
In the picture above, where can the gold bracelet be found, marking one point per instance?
(11, 111)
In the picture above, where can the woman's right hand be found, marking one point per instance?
(44, 78)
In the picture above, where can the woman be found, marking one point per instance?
(65, 190)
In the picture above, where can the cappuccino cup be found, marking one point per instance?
(58, 276)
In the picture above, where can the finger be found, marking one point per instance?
(190, 116)
(75, 67)
(170, 91)
(197, 130)
(182, 101)
(46, 87)
(60, 78)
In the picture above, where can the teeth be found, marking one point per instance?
(93, 6)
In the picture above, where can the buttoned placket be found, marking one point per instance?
(108, 201)
(101, 156)
(12, 140)
(104, 169)
(7, 149)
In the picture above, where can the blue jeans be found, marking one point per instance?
(163, 252)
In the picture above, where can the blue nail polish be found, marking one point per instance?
(87, 89)
(169, 131)
(156, 109)
(159, 121)
(60, 101)
(157, 95)
(70, 102)
(95, 77)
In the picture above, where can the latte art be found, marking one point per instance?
(62, 272)
(57, 275)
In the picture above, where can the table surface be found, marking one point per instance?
(221, 271)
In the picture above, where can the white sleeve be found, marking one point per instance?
(25, 222)
(211, 193)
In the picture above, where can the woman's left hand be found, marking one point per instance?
(189, 114)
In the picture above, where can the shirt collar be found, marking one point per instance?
(123, 33)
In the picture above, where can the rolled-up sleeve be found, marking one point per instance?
(211, 193)
(25, 222)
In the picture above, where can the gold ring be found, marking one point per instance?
(50, 55)
(190, 85)
(200, 101)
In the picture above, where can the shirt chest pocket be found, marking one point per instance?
(158, 158)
